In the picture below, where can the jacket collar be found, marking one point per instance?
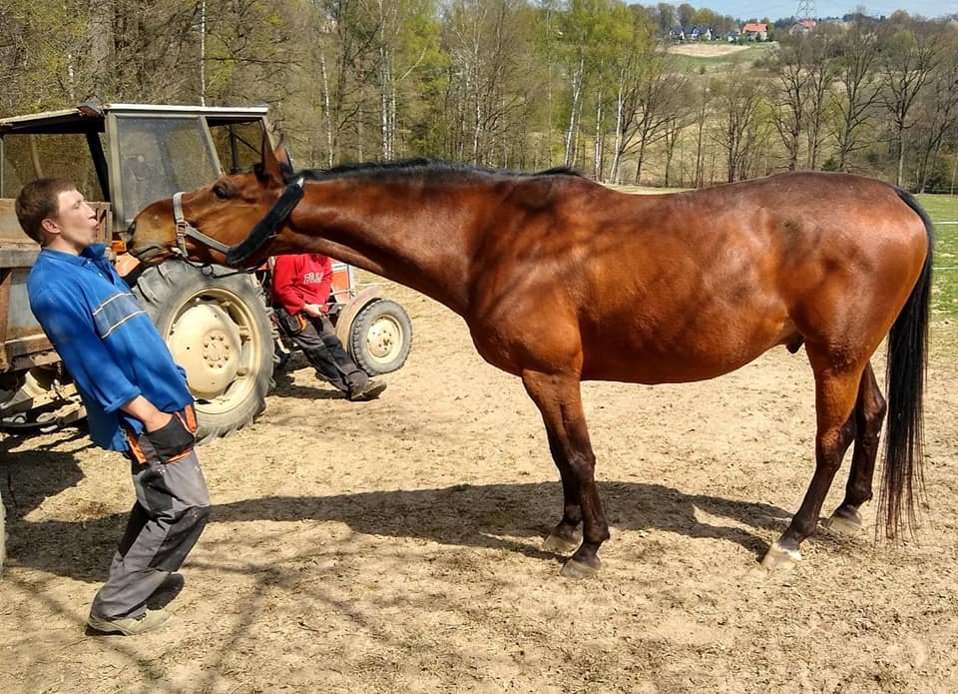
(92, 253)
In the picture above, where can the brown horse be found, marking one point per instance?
(560, 280)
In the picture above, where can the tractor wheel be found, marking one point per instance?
(218, 329)
(380, 337)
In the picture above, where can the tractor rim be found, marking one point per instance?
(215, 337)
(384, 339)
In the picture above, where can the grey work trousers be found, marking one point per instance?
(172, 508)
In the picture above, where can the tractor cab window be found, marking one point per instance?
(159, 156)
(238, 144)
(28, 156)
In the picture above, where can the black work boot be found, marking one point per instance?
(368, 391)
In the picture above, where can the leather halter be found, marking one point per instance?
(265, 230)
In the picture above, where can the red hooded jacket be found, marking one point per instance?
(301, 279)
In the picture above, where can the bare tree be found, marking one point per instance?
(702, 96)
(822, 70)
(793, 76)
(647, 96)
(738, 129)
(907, 63)
(859, 88)
(626, 67)
(939, 113)
(670, 137)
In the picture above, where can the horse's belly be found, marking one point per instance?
(702, 352)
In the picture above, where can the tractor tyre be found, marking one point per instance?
(217, 326)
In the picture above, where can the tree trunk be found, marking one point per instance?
(327, 111)
(571, 132)
(699, 154)
(597, 151)
(101, 46)
(640, 159)
(202, 52)
(617, 149)
(901, 158)
(671, 139)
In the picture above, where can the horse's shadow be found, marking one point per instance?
(499, 516)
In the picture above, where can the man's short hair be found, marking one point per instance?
(39, 200)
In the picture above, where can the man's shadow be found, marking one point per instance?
(29, 476)
(500, 516)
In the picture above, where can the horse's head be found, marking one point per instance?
(224, 211)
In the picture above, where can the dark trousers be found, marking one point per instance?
(317, 338)
(172, 507)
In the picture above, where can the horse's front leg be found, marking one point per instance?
(559, 400)
(565, 537)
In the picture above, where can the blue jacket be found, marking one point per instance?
(105, 339)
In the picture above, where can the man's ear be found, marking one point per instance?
(49, 226)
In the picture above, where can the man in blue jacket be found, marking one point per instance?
(136, 398)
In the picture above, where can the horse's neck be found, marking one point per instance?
(399, 232)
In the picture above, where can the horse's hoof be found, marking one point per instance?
(847, 522)
(779, 558)
(578, 569)
(560, 545)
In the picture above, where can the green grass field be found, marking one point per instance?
(941, 209)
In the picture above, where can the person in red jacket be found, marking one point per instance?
(301, 285)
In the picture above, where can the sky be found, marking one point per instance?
(775, 9)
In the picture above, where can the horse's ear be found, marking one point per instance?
(282, 156)
(276, 166)
(271, 170)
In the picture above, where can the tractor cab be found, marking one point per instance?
(129, 155)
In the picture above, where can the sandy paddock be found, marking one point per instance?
(395, 546)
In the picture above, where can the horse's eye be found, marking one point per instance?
(220, 193)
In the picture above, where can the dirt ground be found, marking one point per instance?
(395, 546)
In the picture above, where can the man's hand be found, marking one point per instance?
(125, 264)
(168, 434)
(314, 310)
(157, 422)
(153, 419)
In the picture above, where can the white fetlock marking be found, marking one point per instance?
(792, 554)
(780, 556)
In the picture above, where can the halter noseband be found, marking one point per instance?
(265, 230)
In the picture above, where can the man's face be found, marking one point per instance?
(75, 222)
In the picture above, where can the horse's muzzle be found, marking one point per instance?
(151, 253)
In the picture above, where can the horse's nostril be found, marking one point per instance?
(132, 228)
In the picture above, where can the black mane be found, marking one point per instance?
(422, 167)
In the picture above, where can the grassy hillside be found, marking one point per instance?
(943, 210)
(716, 57)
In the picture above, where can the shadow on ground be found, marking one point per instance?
(498, 516)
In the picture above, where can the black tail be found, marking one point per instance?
(905, 381)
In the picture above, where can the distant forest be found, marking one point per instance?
(623, 92)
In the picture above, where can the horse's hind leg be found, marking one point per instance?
(869, 416)
(559, 400)
(565, 537)
(836, 392)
